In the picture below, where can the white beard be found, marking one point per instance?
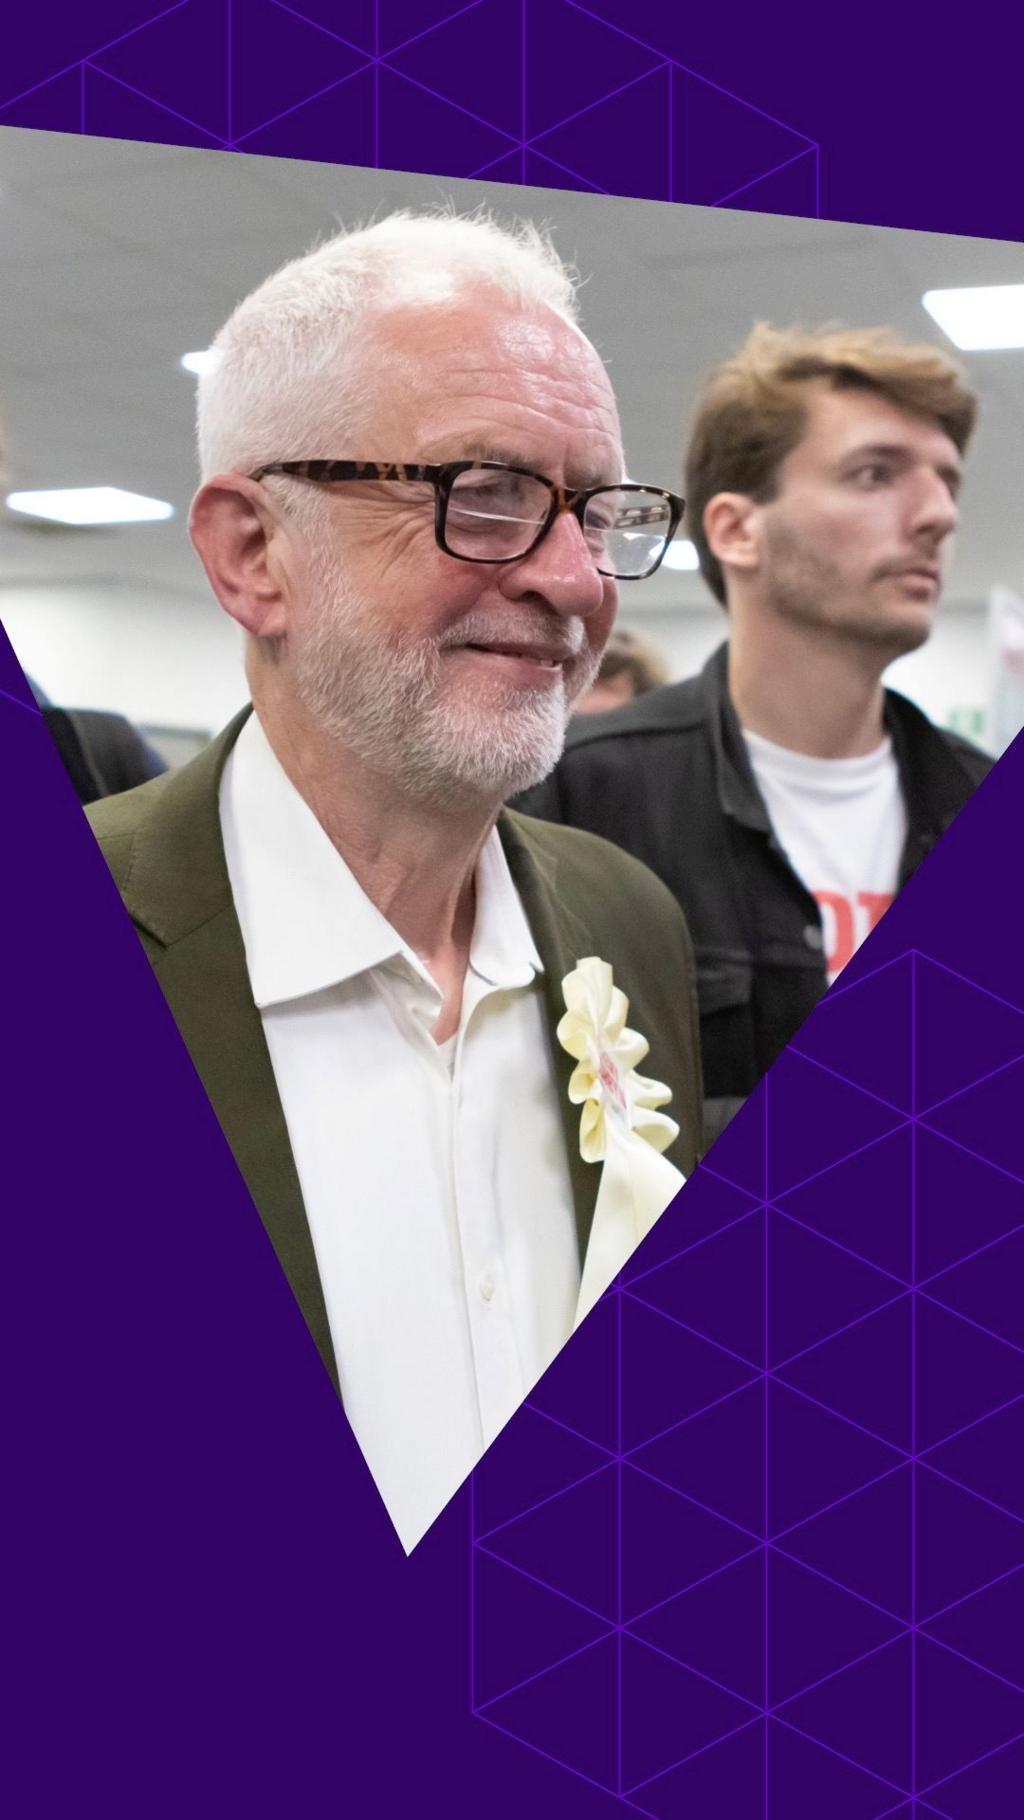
(384, 700)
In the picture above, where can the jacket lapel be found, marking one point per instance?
(179, 893)
(562, 940)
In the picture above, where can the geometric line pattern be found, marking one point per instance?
(932, 1199)
(783, 1566)
(572, 100)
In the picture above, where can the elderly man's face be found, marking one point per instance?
(457, 676)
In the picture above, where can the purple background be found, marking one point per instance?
(883, 114)
(781, 1466)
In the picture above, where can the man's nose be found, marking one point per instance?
(559, 571)
(935, 510)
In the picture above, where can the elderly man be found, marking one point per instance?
(784, 795)
(413, 504)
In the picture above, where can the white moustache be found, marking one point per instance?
(560, 639)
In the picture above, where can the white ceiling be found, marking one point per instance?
(118, 257)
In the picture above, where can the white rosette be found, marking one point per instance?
(621, 1126)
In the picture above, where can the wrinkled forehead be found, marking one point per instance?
(482, 367)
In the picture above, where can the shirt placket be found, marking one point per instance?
(473, 1110)
(476, 1111)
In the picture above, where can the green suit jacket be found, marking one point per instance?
(581, 895)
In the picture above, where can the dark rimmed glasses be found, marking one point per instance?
(485, 511)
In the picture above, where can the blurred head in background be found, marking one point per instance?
(631, 665)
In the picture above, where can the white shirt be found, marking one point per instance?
(435, 1179)
(842, 824)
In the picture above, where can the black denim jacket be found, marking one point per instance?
(668, 778)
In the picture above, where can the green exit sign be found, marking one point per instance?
(970, 722)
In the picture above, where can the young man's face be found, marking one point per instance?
(858, 536)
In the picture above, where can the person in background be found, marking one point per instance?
(631, 665)
(784, 794)
(101, 752)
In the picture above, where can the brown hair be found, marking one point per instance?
(754, 410)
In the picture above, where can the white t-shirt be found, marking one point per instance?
(842, 824)
(435, 1177)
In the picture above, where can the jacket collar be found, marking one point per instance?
(738, 793)
(933, 780)
(178, 878)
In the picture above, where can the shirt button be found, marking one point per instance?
(813, 936)
(486, 1286)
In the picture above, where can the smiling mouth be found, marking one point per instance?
(546, 660)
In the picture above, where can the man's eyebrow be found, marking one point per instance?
(474, 449)
(470, 448)
(880, 451)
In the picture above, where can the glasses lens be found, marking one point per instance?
(626, 529)
(494, 514)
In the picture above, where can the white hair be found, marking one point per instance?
(265, 393)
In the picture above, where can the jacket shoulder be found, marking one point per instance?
(923, 735)
(594, 870)
(118, 823)
(604, 885)
(162, 842)
(975, 762)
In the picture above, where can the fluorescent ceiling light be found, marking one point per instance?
(203, 360)
(980, 315)
(90, 506)
(681, 554)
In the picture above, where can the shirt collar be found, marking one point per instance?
(306, 922)
(503, 951)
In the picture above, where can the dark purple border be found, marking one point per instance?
(209, 1612)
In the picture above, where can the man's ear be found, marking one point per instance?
(732, 526)
(242, 543)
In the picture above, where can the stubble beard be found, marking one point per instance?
(383, 700)
(808, 590)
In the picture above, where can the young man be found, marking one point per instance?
(784, 795)
(413, 504)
